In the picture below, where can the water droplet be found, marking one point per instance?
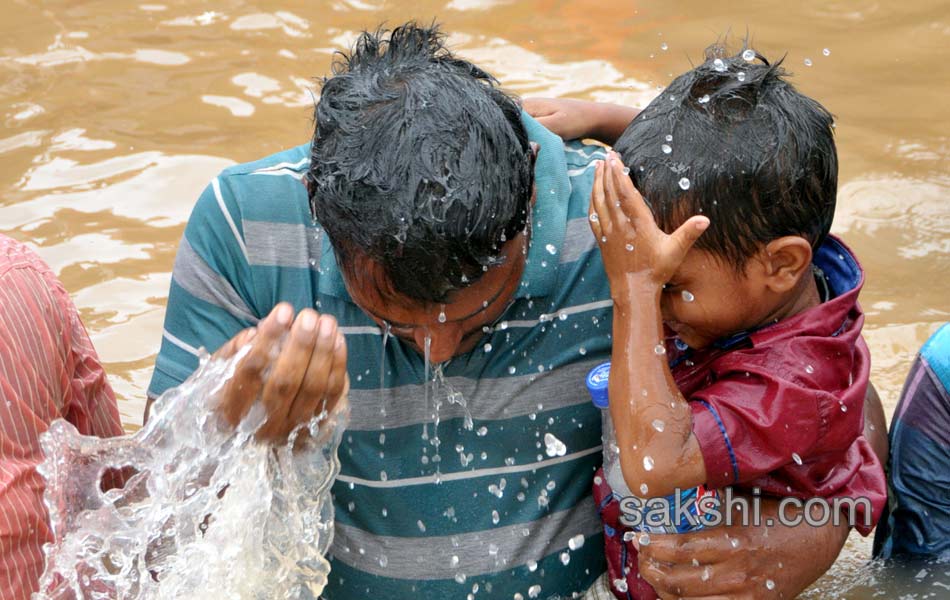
(740, 76)
(719, 65)
(659, 349)
(664, 47)
(807, 62)
(551, 248)
(809, 369)
(648, 463)
(487, 347)
(565, 558)
(629, 247)
(644, 489)
(495, 517)
(659, 425)
(687, 296)
(704, 99)
(532, 565)
(383, 561)
(669, 137)
(421, 526)
(582, 351)
(826, 52)
(684, 183)
(621, 585)
(644, 539)
(460, 578)
(442, 315)
(666, 148)
(576, 542)
(734, 542)
(748, 55)
(512, 369)
(706, 574)
(770, 584)
(594, 218)
(554, 446)
(626, 170)
(796, 458)
(454, 562)
(844, 408)
(534, 591)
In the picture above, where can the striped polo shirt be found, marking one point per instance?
(478, 482)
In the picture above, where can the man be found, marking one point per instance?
(447, 246)
(48, 370)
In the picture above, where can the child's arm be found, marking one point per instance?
(651, 418)
(575, 119)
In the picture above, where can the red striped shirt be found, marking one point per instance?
(48, 370)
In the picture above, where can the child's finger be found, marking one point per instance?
(632, 203)
(686, 235)
(597, 202)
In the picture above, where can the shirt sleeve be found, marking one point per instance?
(210, 296)
(761, 415)
(48, 370)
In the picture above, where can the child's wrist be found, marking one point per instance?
(636, 292)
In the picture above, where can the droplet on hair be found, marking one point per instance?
(669, 138)
(748, 55)
(740, 76)
(719, 65)
(684, 183)
(704, 99)
(666, 148)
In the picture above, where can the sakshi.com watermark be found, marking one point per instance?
(681, 512)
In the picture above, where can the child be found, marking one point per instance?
(738, 358)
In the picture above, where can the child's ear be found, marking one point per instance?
(786, 260)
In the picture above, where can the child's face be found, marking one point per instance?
(708, 300)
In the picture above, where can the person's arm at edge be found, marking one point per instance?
(577, 119)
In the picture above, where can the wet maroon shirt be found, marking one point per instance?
(780, 408)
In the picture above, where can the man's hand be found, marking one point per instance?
(295, 376)
(575, 119)
(741, 562)
(638, 255)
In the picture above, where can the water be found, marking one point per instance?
(172, 94)
(257, 519)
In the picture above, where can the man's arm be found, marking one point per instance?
(742, 561)
(577, 119)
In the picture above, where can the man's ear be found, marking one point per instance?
(786, 260)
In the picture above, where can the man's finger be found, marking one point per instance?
(705, 546)
(287, 375)
(692, 579)
(242, 389)
(315, 385)
(338, 384)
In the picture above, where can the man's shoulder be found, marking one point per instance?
(265, 190)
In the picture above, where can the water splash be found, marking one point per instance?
(203, 506)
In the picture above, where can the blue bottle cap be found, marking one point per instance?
(597, 385)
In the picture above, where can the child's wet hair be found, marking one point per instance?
(419, 162)
(733, 140)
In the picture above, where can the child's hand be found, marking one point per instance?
(569, 119)
(638, 256)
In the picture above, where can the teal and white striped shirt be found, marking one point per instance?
(489, 508)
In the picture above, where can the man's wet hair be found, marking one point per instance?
(419, 162)
(733, 140)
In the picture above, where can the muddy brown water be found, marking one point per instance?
(116, 114)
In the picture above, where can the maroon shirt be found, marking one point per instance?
(764, 400)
